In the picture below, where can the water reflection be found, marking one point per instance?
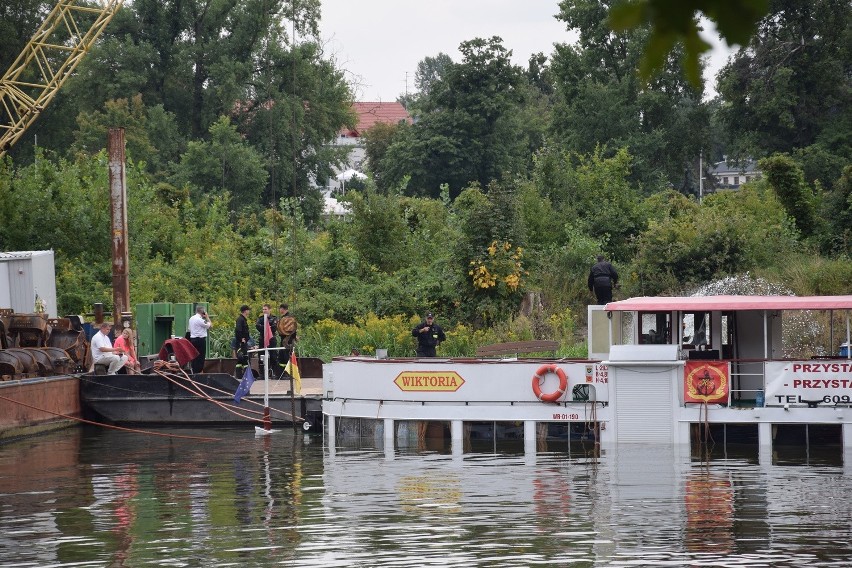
(87, 497)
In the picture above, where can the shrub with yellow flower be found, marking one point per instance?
(502, 264)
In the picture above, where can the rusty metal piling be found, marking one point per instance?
(118, 215)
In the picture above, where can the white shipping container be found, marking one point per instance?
(26, 276)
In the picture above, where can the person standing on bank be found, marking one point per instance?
(287, 330)
(104, 353)
(429, 335)
(198, 326)
(602, 279)
(241, 331)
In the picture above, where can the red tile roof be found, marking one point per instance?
(369, 114)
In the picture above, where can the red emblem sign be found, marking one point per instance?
(706, 381)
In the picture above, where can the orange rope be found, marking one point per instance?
(199, 392)
(114, 427)
(172, 367)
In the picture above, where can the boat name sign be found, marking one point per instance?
(429, 381)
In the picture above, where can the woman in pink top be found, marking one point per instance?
(125, 343)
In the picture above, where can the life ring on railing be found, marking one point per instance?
(539, 376)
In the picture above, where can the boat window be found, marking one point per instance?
(728, 335)
(655, 328)
(696, 330)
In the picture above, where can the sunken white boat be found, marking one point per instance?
(662, 370)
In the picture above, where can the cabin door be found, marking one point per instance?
(644, 409)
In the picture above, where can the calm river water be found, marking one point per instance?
(94, 497)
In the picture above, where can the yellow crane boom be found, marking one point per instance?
(48, 59)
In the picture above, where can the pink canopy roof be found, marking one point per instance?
(730, 303)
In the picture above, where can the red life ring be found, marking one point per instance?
(539, 377)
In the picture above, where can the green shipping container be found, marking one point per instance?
(153, 326)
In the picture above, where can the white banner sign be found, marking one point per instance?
(464, 380)
(814, 382)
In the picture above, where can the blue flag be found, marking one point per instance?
(245, 385)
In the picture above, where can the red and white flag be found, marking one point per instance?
(267, 331)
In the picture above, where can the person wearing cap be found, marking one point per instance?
(429, 334)
(242, 339)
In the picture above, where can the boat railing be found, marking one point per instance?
(748, 380)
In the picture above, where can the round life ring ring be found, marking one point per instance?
(539, 376)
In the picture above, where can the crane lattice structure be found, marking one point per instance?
(50, 57)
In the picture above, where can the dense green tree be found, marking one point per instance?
(837, 211)
(674, 22)
(224, 164)
(150, 133)
(787, 180)
(64, 206)
(601, 101)
(790, 89)
(593, 195)
(377, 140)
(430, 70)
(300, 103)
(195, 61)
(378, 230)
(19, 19)
(467, 131)
(730, 233)
(488, 255)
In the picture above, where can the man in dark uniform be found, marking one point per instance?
(241, 329)
(429, 334)
(602, 279)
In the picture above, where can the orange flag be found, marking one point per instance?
(293, 368)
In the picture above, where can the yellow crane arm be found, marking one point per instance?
(50, 57)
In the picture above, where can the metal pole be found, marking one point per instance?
(700, 175)
(118, 214)
(267, 421)
(765, 335)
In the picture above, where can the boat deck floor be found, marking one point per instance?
(310, 387)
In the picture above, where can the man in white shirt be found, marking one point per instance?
(198, 326)
(103, 352)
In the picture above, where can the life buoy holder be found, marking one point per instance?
(539, 377)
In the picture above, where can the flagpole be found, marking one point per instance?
(267, 422)
(293, 390)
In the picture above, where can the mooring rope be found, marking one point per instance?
(172, 367)
(112, 426)
(591, 423)
(204, 396)
(704, 424)
(175, 369)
